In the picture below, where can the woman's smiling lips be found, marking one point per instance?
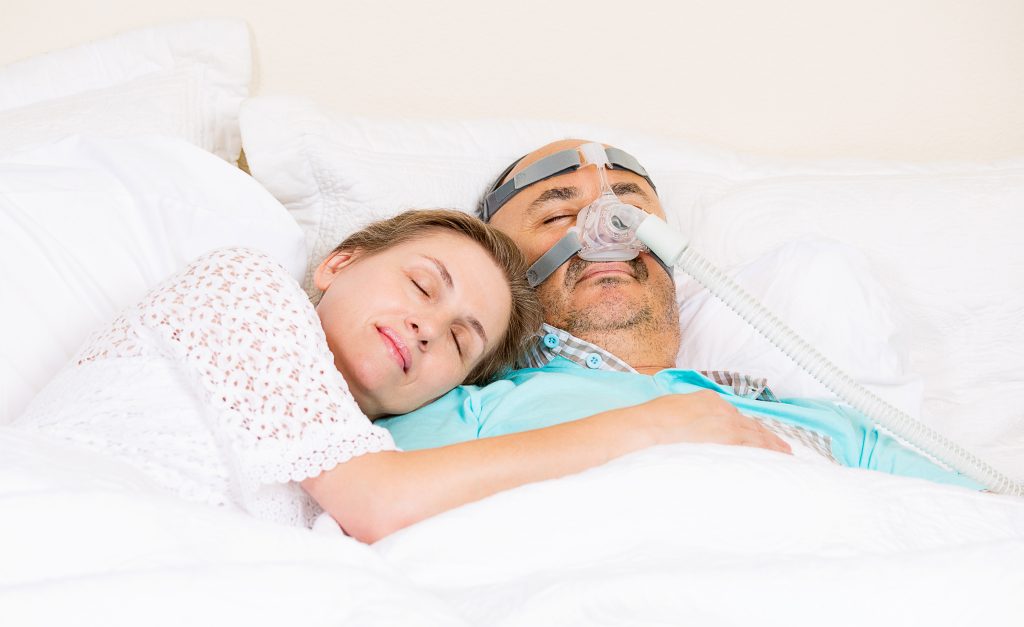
(396, 346)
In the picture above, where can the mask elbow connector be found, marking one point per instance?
(666, 243)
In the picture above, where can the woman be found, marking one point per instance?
(225, 385)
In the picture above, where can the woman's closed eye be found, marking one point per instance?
(420, 287)
(458, 345)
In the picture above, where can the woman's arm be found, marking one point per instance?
(377, 494)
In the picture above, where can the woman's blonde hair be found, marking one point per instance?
(526, 315)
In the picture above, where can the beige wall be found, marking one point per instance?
(906, 79)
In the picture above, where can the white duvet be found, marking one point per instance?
(702, 535)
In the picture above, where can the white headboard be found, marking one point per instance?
(904, 79)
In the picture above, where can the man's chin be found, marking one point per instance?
(611, 312)
(601, 291)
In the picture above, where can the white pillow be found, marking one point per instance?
(183, 80)
(948, 249)
(335, 173)
(89, 224)
(825, 291)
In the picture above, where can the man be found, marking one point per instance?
(612, 331)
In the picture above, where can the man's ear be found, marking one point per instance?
(330, 267)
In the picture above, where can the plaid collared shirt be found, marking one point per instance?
(553, 342)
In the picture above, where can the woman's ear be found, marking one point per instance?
(330, 267)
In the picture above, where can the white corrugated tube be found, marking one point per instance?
(673, 249)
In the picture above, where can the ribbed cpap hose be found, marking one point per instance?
(672, 248)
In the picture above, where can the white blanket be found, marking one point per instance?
(724, 535)
(102, 547)
(703, 535)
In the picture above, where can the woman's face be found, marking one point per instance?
(407, 324)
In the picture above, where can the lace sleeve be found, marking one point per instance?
(249, 338)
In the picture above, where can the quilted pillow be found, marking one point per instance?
(183, 80)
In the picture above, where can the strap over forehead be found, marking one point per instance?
(561, 162)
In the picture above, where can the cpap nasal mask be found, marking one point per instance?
(605, 229)
(611, 230)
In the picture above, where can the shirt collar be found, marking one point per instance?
(550, 342)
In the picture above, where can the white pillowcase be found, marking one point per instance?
(945, 246)
(182, 80)
(828, 295)
(90, 224)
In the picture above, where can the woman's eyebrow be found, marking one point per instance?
(445, 275)
(447, 278)
(479, 328)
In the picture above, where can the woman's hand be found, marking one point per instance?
(702, 417)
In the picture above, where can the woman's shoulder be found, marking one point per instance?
(225, 287)
(240, 256)
(239, 264)
(233, 279)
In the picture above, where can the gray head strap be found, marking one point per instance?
(622, 160)
(561, 162)
(558, 254)
(561, 252)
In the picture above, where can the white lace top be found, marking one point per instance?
(219, 385)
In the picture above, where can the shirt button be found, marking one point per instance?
(593, 361)
(551, 340)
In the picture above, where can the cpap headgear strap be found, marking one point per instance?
(561, 162)
(605, 229)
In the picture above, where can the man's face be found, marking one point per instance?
(586, 297)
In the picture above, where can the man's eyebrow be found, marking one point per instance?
(447, 278)
(621, 189)
(555, 193)
(570, 193)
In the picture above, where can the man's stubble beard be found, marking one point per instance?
(653, 317)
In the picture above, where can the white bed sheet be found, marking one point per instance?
(88, 541)
(714, 535)
(686, 534)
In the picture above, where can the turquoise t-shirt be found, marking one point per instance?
(561, 391)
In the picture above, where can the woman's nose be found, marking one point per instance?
(425, 329)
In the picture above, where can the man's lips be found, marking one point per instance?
(396, 346)
(607, 267)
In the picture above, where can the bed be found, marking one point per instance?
(119, 162)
